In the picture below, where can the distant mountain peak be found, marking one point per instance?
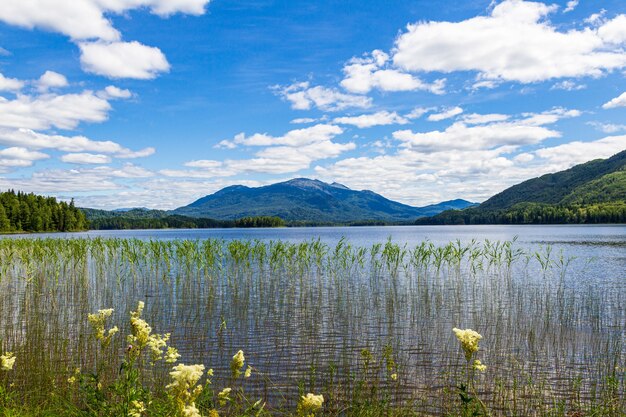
(337, 185)
(305, 200)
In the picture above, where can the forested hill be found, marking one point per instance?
(21, 212)
(605, 178)
(593, 192)
(307, 201)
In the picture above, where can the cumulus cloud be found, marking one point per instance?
(296, 137)
(85, 158)
(380, 118)
(493, 131)
(515, 42)
(85, 19)
(122, 59)
(51, 110)
(74, 144)
(112, 92)
(303, 97)
(374, 72)
(424, 176)
(571, 5)
(577, 152)
(619, 101)
(10, 84)
(291, 152)
(446, 114)
(51, 79)
(18, 157)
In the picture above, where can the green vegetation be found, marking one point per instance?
(564, 186)
(534, 213)
(366, 329)
(158, 219)
(21, 212)
(594, 192)
(310, 202)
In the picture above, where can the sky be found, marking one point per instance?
(155, 103)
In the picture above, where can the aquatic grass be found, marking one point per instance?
(303, 313)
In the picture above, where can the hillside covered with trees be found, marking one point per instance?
(593, 192)
(21, 212)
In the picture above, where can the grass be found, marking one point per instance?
(368, 328)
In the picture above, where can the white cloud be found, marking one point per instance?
(22, 153)
(303, 120)
(515, 42)
(373, 72)
(302, 97)
(76, 180)
(418, 112)
(419, 177)
(608, 127)
(619, 101)
(571, 5)
(10, 84)
(51, 79)
(614, 31)
(487, 132)
(292, 152)
(568, 86)
(85, 158)
(78, 19)
(596, 18)
(85, 19)
(112, 92)
(479, 119)
(380, 118)
(122, 59)
(297, 137)
(446, 114)
(572, 153)
(75, 144)
(45, 111)
(17, 157)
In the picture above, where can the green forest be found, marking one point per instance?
(125, 221)
(534, 213)
(21, 212)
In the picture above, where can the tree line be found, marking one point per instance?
(122, 222)
(21, 212)
(534, 213)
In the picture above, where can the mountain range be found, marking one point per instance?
(309, 201)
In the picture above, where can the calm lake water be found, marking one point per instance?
(553, 316)
(605, 244)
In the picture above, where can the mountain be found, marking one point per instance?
(308, 201)
(593, 192)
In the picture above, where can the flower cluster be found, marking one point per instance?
(7, 361)
(223, 396)
(184, 389)
(469, 341)
(478, 365)
(141, 337)
(237, 363)
(136, 408)
(309, 404)
(98, 321)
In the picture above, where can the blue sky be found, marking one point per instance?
(123, 103)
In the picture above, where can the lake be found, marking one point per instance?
(338, 310)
